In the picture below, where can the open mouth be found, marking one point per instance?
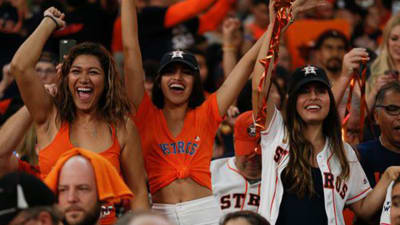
(177, 87)
(84, 93)
(313, 107)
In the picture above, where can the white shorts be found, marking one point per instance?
(202, 211)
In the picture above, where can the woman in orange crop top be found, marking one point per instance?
(177, 126)
(90, 109)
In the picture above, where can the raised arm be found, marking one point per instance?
(351, 61)
(133, 66)
(297, 7)
(236, 80)
(259, 71)
(133, 167)
(367, 207)
(37, 100)
(232, 40)
(11, 134)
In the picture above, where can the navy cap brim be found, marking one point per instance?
(178, 60)
(307, 81)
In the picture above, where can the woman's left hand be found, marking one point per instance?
(392, 173)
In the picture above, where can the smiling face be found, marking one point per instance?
(177, 84)
(389, 122)
(313, 103)
(394, 44)
(86, 82)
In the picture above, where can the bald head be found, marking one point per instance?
(77, 192)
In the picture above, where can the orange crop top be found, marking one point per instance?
(61, 143)
(168, 158)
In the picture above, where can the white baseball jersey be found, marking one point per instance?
(231, 189)
(385, 216)
(275, 157)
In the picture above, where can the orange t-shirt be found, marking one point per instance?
(168, 158)
(61, 143)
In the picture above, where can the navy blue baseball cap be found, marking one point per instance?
(179, 56)
(307, 74)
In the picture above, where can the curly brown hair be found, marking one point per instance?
(113, 105)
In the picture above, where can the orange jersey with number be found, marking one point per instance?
(168, 158)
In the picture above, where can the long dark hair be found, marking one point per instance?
(113, 105)
(298, 172)
(196, 98)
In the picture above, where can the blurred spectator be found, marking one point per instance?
(24, 198)
(259, 21)
(46, 68)
(87, 21)
(367, 32)
(244, 218)
(379, 154)
(150, 69)
(386, 67)
(330, 48)
(236, 180)
(168, 25)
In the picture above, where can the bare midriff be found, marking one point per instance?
(180, 190)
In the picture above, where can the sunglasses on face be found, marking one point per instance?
(393, 110)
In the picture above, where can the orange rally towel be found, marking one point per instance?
(110, 186)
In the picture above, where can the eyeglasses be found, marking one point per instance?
(392, 110)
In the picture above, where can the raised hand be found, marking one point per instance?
(56, 15)
(392, 173)
(352, 60)
(232, 36)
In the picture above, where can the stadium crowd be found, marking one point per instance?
(182, 112)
